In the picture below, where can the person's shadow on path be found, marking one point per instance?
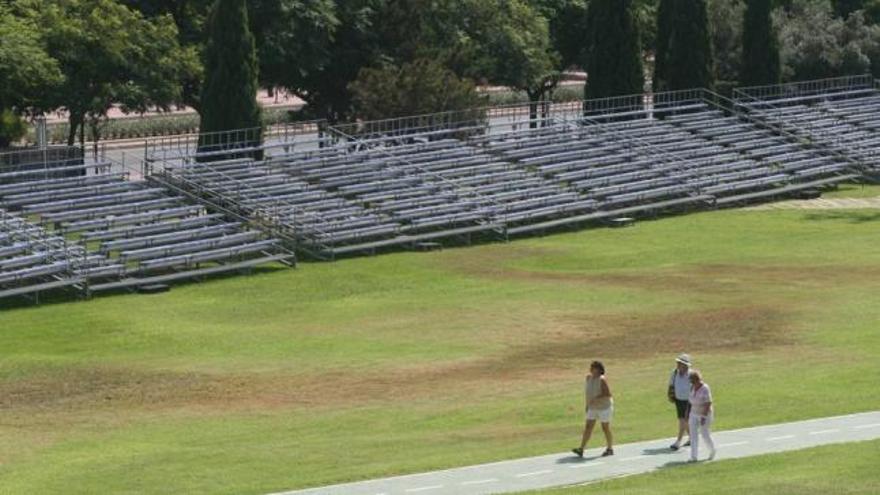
(661, 451)
(573, 459)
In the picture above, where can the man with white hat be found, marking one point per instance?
(679, 393)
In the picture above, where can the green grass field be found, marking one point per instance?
(830, 470)
(415, 361)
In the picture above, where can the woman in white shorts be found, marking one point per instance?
(702, 415)
(599, 406)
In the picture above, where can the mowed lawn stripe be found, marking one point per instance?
(418, 361)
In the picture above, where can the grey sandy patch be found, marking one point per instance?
(822, 204)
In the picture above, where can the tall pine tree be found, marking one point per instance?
(689, 62)
(761, 63)
(615, 64)
(229, 93)
(664, 30)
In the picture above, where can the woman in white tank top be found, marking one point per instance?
(599, 406)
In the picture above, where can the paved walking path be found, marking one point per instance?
(566, 469)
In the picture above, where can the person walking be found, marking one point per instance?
(679, 394)
(702, 415)
(599, 407)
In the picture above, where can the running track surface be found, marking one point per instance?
(566, 469)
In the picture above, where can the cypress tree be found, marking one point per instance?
(615, 65)
(689, 60)
(664, 30)
(761, 63)
(229, 95)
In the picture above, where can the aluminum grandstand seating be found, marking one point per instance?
(839, 114)
(581, 162)
(370, 194)
(32, 260)
(120, 233)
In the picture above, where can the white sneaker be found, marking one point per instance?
(712, 455)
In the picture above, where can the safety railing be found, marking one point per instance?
(730, 105)
(235, 193)
(804, 89)
(772, 103)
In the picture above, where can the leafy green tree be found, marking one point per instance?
(189, 16)
(12, 128)
(815, 44)
(347, 43)
(420, 87)
(27, 73)
(615, 65)
(515, 42)
(665, 13)
(843, 8)
(291, 35)
(646, 17)
(568, 23)
(726, 22)
(761, 64)
(689, 61)
(111, 55)
(229, 93)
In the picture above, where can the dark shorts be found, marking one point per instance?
(682, 407)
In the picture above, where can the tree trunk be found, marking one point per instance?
(82, 132)
(71, 132)
(94, 124)
(534, 98)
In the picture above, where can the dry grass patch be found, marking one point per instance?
(551, 354)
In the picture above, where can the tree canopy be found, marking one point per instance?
(87, 56)
(689, 60)
(615, 63)
(110, 55)
(761, 64)
(229, 93)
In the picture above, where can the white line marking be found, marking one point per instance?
(625, 459)
(863, 427)
(823, 432)
(536, 473)
(479, 482)
(732, 444)
(783, 437)
(423, 488)
(586, 465)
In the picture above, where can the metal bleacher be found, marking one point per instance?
(578, 163)
(840, 114)
(425, 180)
(90, 228)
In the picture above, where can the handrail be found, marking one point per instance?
(716, 100)
(265, 212)
(455, 186)
(241, 218)
(814, 87)
(669, 157)
(70, 254)
(773, 108)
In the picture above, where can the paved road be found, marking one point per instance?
(566, 469)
